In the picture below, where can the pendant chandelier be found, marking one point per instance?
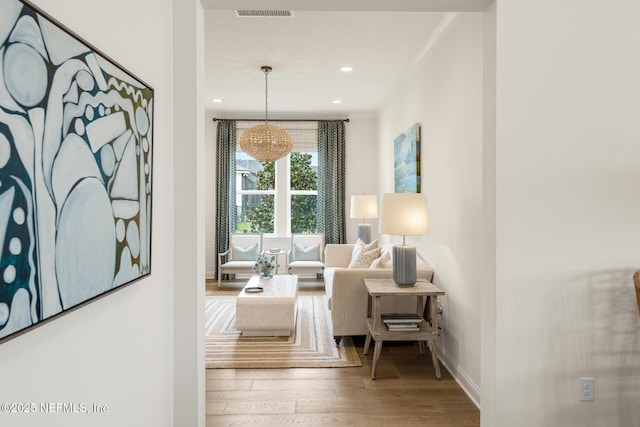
(266, 143)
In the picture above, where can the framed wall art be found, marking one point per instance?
(406, 160)
(76, 142)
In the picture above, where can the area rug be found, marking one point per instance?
(311, 346)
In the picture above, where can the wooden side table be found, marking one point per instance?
(428, 330)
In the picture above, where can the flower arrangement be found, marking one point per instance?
(265, 265)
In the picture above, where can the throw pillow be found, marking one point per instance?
(361, 247)
(239, 253)
(383, 261)
(365, 259)
(305, 253)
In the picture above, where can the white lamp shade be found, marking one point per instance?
(364, 206)
(404, 214)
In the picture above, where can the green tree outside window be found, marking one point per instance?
(303, 206)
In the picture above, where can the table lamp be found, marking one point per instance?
(404, 214)
(364, 206)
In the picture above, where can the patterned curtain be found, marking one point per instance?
(331, 177)
(225, 185)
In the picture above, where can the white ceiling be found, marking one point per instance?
(307, 51)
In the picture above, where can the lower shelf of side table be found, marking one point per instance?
(379, 330)
(379, 333)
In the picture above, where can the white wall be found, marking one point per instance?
(361, 173)
(568, 223)
(361, 177)
(118, 350)
(188, 210)
(487, 279)
(444, 95)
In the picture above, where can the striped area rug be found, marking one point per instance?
(311, 346)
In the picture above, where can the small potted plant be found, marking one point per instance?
(265, 266)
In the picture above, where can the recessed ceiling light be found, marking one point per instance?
(217, 100)
(346, 69)
(337, 101)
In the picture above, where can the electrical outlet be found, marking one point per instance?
(587, 389)
(441, 304)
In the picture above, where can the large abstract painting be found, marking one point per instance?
(75, 171)
(406, 160)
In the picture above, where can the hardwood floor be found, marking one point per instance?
(405, 392)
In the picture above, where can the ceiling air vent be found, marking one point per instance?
(253, 13)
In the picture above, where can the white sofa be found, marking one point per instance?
(347, 296)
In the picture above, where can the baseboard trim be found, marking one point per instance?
(462, 378)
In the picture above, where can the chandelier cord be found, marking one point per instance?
(266, 143)
(266, 96)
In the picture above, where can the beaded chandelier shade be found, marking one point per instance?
(266, 142)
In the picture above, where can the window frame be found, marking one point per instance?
(281, 196)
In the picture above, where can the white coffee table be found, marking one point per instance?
(271, 312)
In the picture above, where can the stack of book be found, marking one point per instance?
(401, 322)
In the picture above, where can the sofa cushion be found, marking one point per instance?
(240, 253)
(383, 261)
(306, 264)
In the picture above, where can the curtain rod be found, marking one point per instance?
(215, 119)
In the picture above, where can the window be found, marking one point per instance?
(303, 190)
(255, 192)
(279, 197)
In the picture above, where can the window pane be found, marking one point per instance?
(304, 171)
(255, 213)
(303, 213)
(254, 175)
